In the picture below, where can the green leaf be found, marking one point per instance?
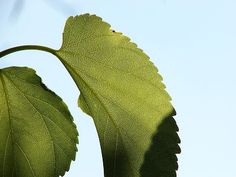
(122, 91)
(37, 136)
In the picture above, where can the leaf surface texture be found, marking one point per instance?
(38, 136)
(124, 94)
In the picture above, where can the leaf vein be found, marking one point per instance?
(27, 159)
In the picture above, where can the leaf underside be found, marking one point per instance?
(38, 136)
(124, 94)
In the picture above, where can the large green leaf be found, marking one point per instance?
(37, 136)
(122, 90)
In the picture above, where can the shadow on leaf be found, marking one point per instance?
(160, 159)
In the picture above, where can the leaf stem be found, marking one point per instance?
(27, 47)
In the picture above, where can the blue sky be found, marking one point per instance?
(193, 44)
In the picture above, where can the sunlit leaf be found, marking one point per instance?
(122, 91)
(38, 136)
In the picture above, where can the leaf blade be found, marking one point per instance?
(38, 121)
(120, 89)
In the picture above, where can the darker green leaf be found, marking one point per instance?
(38, 136)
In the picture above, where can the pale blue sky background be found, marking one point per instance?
(193, 44)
